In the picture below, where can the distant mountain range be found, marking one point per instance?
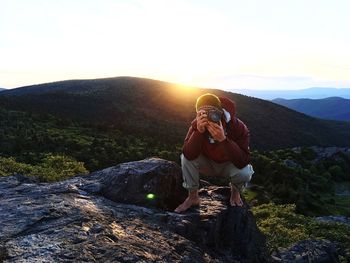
(311, 93)
(145, 107)
(1, 89)
(333, 108)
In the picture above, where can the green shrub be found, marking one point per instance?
(50, 168)
(57, 167)
(9, 166)
(283, 227)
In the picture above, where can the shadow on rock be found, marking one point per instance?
(106, 217)
(152, 182)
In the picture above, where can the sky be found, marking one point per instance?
(233, 44)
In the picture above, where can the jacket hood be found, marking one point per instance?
(229, 105)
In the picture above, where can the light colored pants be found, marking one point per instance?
(206, 166)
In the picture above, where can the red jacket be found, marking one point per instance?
(235, 148)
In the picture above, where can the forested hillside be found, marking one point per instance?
(149, 108)
(28, 137)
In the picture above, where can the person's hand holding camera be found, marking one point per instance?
(202, 121)
(217, 131)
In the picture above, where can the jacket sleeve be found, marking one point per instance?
(238, 149)
(193, 142)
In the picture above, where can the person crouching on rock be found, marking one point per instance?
(216, 144)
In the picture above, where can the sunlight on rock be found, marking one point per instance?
(118, 230)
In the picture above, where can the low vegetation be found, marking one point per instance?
(51, 168)
(283, 227)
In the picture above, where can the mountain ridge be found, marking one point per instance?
(164, 110)
(62, 85)
(332, 108)
(309, 93)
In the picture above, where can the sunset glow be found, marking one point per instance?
(218, 44)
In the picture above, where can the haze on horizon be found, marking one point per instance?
(217, 44)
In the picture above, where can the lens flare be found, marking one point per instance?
(150, 196)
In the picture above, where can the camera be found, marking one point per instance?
(214, 114)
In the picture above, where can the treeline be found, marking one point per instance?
(28, 137)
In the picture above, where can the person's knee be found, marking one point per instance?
(190, 163)
(247, 172)
(182, 157)
(243, 175)
(184, 160)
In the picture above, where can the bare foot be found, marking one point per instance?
(235, 198)
(190, 201)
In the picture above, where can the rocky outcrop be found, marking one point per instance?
(151, 182)
(323, 153)
(291, 163)
(337, 219)
(326, 152)
(306, 251)
(109, 216)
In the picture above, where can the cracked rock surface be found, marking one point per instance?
(106, 217)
